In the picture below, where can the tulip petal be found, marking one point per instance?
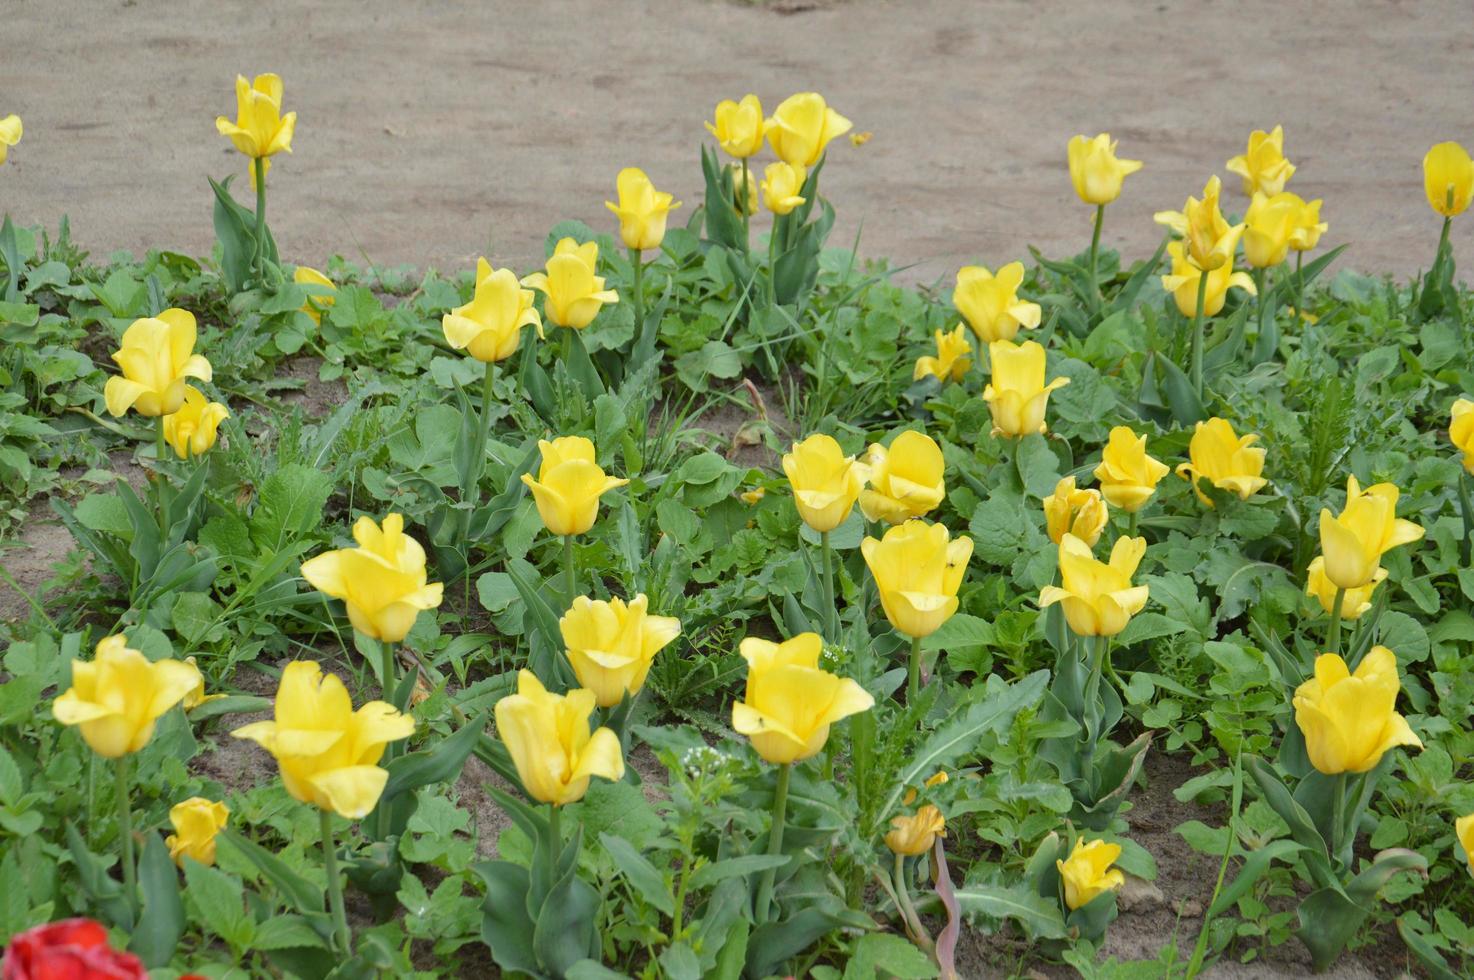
(352, 791)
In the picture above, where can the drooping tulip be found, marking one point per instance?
(1263, 165)
(116, 699)
(489, 328)
(550, 742)
(1461, 430)
(641, 209)
(918, 569)
(1209, 238)
(826, 483)
(569, 484)
(790, 703)
(196, 822)
(1270, 226)
(991, 304)
(260, 130)
(1127, 474)
(316, 305)
(906, 480)
(1354, 541)
(801, 127)
(611, 644)
(1350, 720)
(382, 582)
(1229, 462)
(1078, 511)
(738, 126)
(1182, 283)
(1098, 597)
(191, 431)
(1017, 395)
(574, 293)
(953, 359)
(1096, 171)
(913, 835)
(1355, 601)
(156, 355)
(781, 186)
(1087, 872)
(10, 134)
(1448, 178)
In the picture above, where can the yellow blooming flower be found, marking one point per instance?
(1270, 226)
(1355, 602)
(781, 186)
(790, 703)
(1309, 228)
(156, 355)
(1461, 430)
(259, 130)
(1080, 512)
(738, 126)
(905, 480)
(1349, 720)
(117, 698)
(1354, 541)
(550, 743)
(1448, 178)
(991, 304)
(826, 483)
(1231, 463)
(489, 328)
(641, 209)
(569, 484)
(611, 644)
(1464, 830)
(1098, 597)
(1017, 395)
(574, 294)
(10, 134)
(917, 833)
(197, 695)
(192, 429)
(1263, 165)
(1127, 474)
(1209, 238)
(754, 496)
(918, 569)
(953, 358)
(315, 306)
(382, 581)
(1087, 873)
(1182, 283)
(196, 822)
(801, 127)
(1095, 170)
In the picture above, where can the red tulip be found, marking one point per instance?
(73, 949)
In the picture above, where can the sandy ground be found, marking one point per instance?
(432, 131)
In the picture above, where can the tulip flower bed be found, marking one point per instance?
(707, 604)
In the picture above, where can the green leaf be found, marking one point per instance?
(882, 954)
(440, 764)
(735, 867)
(219, 902)
(297, 891)
(291, 505)
(566, 930)
(1035, 913)
(287, 932)
(161, 921)
(645, 879)
(505, 926)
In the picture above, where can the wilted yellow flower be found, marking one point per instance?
(860, 139)
(196, 821)
(1461, 430)
(116, 699)
(991, 303)
(754, 496)
(192, 429)
(826, 483)
(382, 581)
(1355, 602)
(781, 185)
(1368, 527)
(641, 209)
(1080, 512)
(1087, 873)
(1098, 597)
(1308, 228)
(574, 294)
(790, 703)
(328, 753)
(738, 126)
(918, 570)
(801, 127)
(10, 134)
(1229, 462)
(1464, 830)
(1182, 283)
(1270, 225)
(1127, 474)
(315, 306)
(549, 739)
(1263, 165)
(489, 328)
(611, 644)
(1448, 178)
(953, 358)
(156, 355)
(569, 484)
(937, 778)
(1349, 720)
(905, 480)
(1094, 169)
(259, 130)
(1210, 239)
(917, 833)
(197, 695)
(1017, 395)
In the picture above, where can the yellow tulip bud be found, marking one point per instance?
(918, 570)
(781, 186)
(1464, 830)
(801, 127)
(569, 484)
(156, 355)
(1461, 430)
(1098, 597)
(1229, 462)
(328, 753)
(1182, 283)
(192, 429)
(916, 834)
(611, 645)
(641, 209)
(1263, 165)
(1354, 541)
(826, 483)
(1349, 719)
(738, 126)
(315, 306)
(196, 821)
(1087, 873)
(790, 703)
(1081, 512)
(991, 304)
(1270, 226)
(745, 199)
(1209, 238)
(1095, 171)
(1308, 228)
(1127, 475)
(259, 130)
(905, 480)
(382, 581)
(1355, 602)
(550, 743)
(936, 779)
(574, 294)
(953, 358)
(1017, 395)
(10, 134)
(489, 328)
(1448, 179)
(116, 699)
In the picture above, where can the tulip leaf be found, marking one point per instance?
(736, 867)
(1328, 920)
(297, 891)
(566, 930)
(543, 632)
(441, 764)
(505, 926)
(645, 880)
(161, 920)
(102, 889)
(773, 942)
(1365, 886)
(1417, 942)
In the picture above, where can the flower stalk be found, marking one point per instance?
(342, 938)
(775, 842)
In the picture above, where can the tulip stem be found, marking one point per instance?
(388, 680)
(742, 201)
(471, 479)
(1338, 818)
(1099, 296)
(903, 900)
(1132, 519)
(1439, 256)
(1197, 350)
(260, 258)
(913, 671)
(1466, 511)
(1333, 633)
(570, 577)
(125, 834)
(1259, 275)
(161, 482)
(1300, 287)
(341, 934)
(775, 842)
(827, 551)
(638, 289)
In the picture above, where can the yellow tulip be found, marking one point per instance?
(1182, 283)
(641, 209)
(1448, 179)
(918, 570)
(1087, 873)
(611, 644)
(192, 429)
(315, 306)
(1098, 597)
(1270, 226)
(953, 358)
(382, 581)
(1017, 395)
(738, 126)
(1368, 527)
(744, 203)
(489, 327)
(116, 699)
(569, 484)
(196, 821)
(905, 480)
(1263, 165)
(991, 304)
(197, 695)
(574, 294)
(790, 703)
(781, 186)
(259, 130)
(1080, 512)
(1464, 830)
(1308, 228)
(1095, 170)
(1127, 474)
(10, 134)
(801, 127)
(1210, 239)
(826, 483)
(916, 834)
(1349, 719)
(156, 355)
(328, 753)
(549, 739)
(1355, 602)
(1231, 463)
(1461, 430)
